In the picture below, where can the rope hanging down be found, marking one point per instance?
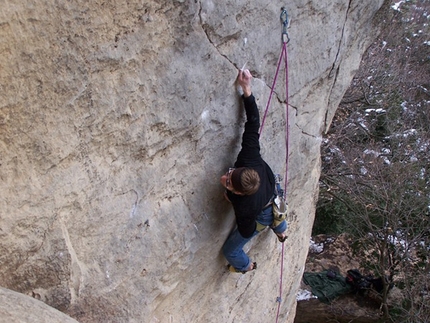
(282, 58)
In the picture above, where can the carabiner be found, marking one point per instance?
(285, 25)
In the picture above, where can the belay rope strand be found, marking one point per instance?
(282, 58)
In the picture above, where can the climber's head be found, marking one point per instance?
(241, 181)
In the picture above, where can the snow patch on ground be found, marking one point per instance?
(304, 295)
(316, 247)
(396, 6)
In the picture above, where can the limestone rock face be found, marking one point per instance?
(19, 308)
(117, 120)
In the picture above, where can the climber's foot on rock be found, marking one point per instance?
(252, 266)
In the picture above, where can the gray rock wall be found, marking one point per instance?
(116, 122)
(18, 308)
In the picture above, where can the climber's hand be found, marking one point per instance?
(244, 80)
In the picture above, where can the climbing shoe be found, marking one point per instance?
(234, 270)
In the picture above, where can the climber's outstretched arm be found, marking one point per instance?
(244, 80)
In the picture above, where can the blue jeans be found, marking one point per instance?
(233, 246)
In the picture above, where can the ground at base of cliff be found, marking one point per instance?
(334, 253)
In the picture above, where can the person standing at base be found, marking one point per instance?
(250, 187)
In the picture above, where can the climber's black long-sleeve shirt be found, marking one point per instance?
(248, 207)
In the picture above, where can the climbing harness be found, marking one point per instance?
(280, 206)
(282, 58)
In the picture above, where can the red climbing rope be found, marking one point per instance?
(272, 90)
(279, 298)
(282, 57)
(284, 51)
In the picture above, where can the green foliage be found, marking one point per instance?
(375, 180)
(330, 218)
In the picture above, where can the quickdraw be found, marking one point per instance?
(285, 25)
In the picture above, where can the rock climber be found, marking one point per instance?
(250, 187)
